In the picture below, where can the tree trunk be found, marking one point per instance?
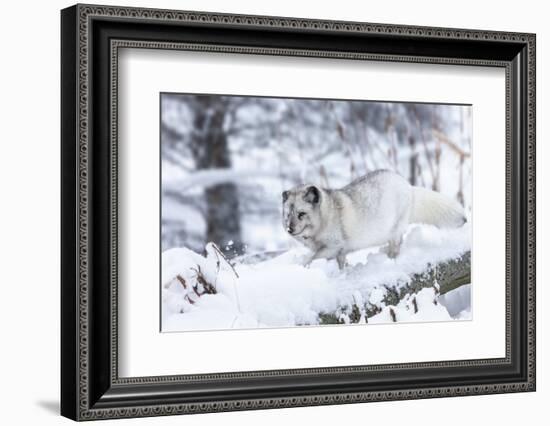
(211, 151)
(413, 161)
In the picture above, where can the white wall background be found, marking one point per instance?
(29, 212)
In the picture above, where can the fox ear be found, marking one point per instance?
(285, 196)
(312, 195)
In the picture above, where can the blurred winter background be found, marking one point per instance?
(226, 159)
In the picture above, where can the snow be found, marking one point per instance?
(281, 292)
(458, 302)
(377, 296)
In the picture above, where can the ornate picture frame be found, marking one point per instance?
(91, 37)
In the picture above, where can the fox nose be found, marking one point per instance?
(290, 229)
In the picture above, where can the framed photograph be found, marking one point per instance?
(263, 212)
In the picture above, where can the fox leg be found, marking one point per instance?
(323, 252)
(394, 247)
(341, 259)
(394, 244)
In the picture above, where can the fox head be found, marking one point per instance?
(302, 211)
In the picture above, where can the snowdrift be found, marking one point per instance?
(208, 292)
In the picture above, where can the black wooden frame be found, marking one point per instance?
(90, 386)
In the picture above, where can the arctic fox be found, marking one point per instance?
(373, 210)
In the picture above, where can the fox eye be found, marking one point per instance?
(301, 215)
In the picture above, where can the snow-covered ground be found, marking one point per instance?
(280, 292)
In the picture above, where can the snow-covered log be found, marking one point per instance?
(439, 278)
(444, 277)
